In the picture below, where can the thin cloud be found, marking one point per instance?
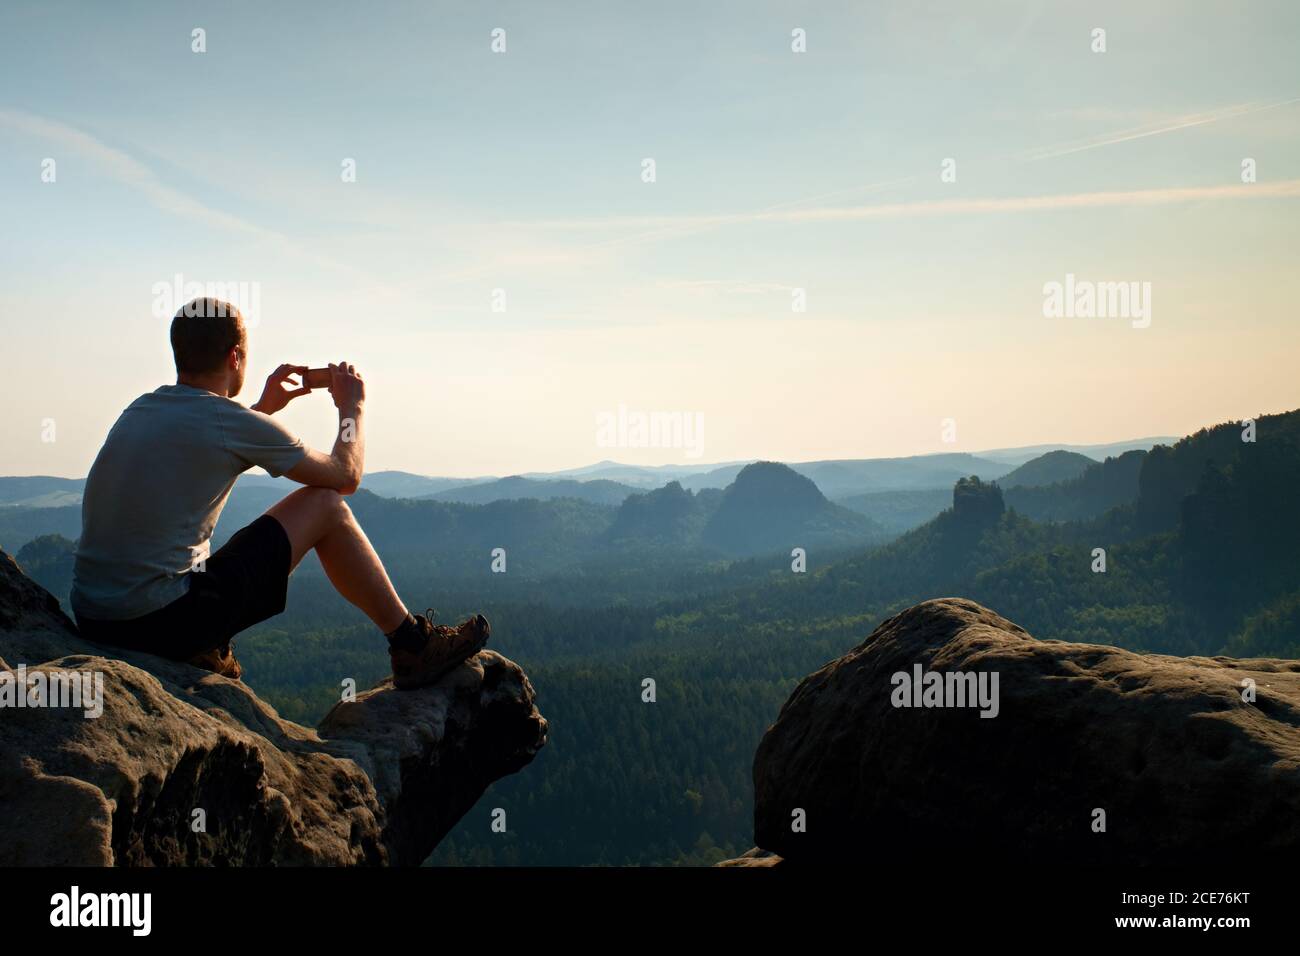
(129, 171)
(726, 286)
(1154, 129)
(667, 227)
(1287, 188)
(945, 207)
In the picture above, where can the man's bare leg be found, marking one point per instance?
(319, 518)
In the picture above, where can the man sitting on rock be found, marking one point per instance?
(143, 578)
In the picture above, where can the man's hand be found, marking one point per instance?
(343, 467)
(275, 396)
(346, 387)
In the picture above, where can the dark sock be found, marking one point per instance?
(408, 636)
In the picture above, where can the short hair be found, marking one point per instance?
(203, 333)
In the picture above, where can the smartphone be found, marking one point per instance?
(317, 378)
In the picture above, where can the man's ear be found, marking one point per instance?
(233, 359)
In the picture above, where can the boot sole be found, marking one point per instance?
(449, 665)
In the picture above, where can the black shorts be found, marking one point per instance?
(243, 582)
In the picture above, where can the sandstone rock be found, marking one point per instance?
(754, 857)
(381, 782)
(1184, 769)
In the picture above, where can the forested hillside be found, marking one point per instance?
(1048, 469)
(1098, 488)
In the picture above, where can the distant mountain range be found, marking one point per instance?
(609, 482)
(41, 491)
(598, 490)
(646, 476)
(707, 510)
(768, 509)
(1018, 456)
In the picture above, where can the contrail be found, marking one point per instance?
(1123, 136)
(1285, 188)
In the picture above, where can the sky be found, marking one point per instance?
(842, 252)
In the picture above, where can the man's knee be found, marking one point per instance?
(324, 503)
(332, 504)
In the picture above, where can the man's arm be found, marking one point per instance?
(343, 467)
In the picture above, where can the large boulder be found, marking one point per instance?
(1165, 752)
(381, 782)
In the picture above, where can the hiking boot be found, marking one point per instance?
(219, 660)
(446, 648)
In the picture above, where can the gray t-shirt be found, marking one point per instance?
(156, 490)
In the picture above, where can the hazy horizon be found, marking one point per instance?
(701, 466)
(781, 178)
